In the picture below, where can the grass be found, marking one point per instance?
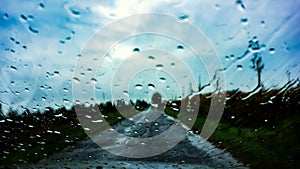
(260, 148)
(248, 137)
(46, 135)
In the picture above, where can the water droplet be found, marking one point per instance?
(43, 98)
(13, 68)
(68, 38)
(232, 117)
(162, 79)
(266, 120)
(227, 57)
(5, 16)
(151, 57)
(159, 66)
(125, 93)
(183, 17)
(41, 5)
(93, 80)
(172, 64)
(27, 89)
(66, 100)
(240, 5)
(138, 87)
(217, 6)
(76, 80)
(23, 17)
(180, 47)
(136, 50)
(56, 73)
(272, 51)
(35, 31)
(151, 86)
(244, 20)
(97, 121)
(30, 17)
(240, 67)
(75, 12)
(62, 42)
(65, 89)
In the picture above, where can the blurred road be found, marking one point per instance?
(189, 153)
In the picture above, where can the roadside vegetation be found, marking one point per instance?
(261, 129)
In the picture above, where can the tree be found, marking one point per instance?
(257, 63)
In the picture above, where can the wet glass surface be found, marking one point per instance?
(256, 42)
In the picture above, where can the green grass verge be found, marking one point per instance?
(260, 148)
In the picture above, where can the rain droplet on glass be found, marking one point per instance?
(125, 93)
(162, 79)
(93, 81)
(56, 73)
(136, 50)
(180, 47)
(240, 5)
(239, 67)
(5, 16)
(75, 12)
(66, 100)
(272, 51)
(76, 80)
(41, 5)
(159, 66)
(13, 68)
(244, 21)
(23, 17)
(151, 86)
(151, 57)
(138, 87)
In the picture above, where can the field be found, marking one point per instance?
(261, 129)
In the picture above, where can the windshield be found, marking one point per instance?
(139, 84)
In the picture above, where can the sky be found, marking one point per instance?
(41, 43)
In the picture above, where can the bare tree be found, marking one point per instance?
(257, 63)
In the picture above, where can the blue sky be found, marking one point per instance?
(41, 40)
